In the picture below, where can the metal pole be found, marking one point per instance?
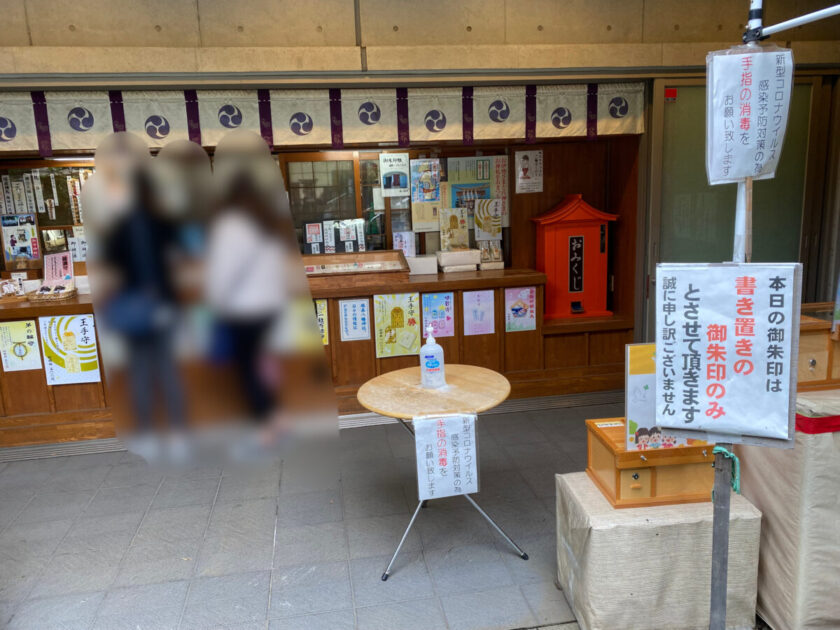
(720, 540)
(402, 540)
(799, 21)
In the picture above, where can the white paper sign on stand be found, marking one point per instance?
(447, 455)
(726, 350)
(747, 103)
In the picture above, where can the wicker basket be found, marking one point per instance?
(51, 297)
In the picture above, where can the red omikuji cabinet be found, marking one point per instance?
(572, 253)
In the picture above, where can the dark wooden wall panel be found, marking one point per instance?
(608, 346)
(524, 349)
(483, 350)
(568, 167)
(353, 362)
(81, 396)
(25, 392)
(564, 351)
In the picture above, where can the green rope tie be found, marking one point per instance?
(736, 467)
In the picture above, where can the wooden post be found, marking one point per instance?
(748, 222)
(720, 540)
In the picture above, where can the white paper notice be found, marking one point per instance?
(394, 174)
(447, 455)
(747, 104)
(529, 171)
(726, 350)
(355, 319)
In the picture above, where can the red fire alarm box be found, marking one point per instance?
(572, 252)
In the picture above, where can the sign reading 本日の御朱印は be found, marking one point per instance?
(447, 455)
(726, 348)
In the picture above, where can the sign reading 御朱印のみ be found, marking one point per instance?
(727, 338)
(747, 103)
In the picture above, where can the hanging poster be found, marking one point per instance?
(19, 346)
(425, 216)
(726, 349)
(520, 309)
(479, 314)
(454, 233)
(470, 178)
(20, 237)
(447, 455)
(529, 171)
(425, 180)
(69, 346)
(322, 317)
(488, 219)
(397, 318)
(355, 319)
(640, 402)
(405, 242)
(747, 104)
(438, 312)
(394, 174)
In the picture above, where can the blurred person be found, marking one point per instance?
(138, 304)
(245, 287)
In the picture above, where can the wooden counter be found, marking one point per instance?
(558, 357)
(32, 412)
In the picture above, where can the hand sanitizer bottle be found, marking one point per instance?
(431, 363)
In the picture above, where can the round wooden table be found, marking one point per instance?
(469, 389)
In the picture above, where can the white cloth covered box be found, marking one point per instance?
(650, 568)
(798, 491)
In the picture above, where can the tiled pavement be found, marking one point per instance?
(103, 542)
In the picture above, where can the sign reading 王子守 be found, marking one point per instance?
(726, 344)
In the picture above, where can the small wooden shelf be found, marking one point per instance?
(586, 324)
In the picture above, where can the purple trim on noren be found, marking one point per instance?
(336, 125)
(402, 117)
(42, 123)
(193, 119)
(264, 105)
(117, 110)
(530, 114)
(592, 111)
(467, 114)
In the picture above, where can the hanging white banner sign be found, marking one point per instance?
(157, 117)
(747, 103)
(223, 111)
(726, 348)
(621, 108)
(369, 115)
(499, 113)
(78, 120)
(561, 110)
(435, 114)
(17, 122)
(301, 117)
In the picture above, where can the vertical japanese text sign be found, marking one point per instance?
(447, 455)
(747, 102)
(726, 348)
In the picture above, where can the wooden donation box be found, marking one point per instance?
(683, 474)
(572, 252)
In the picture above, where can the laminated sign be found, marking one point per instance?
(447, 455)
(726, 348)
(747, 103)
